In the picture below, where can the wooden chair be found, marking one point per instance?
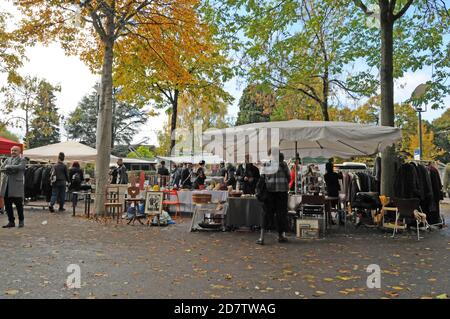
(113, 203)
(133, 192)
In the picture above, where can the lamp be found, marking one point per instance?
(416, 98)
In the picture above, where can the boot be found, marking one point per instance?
(282, 238)
(260, 241)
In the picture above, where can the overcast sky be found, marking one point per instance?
(76, 81)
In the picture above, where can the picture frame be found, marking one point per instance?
(153, 203)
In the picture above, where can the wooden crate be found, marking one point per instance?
(308, 228)
(201, 198)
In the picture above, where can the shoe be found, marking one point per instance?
(51, 209)
(21, 224)
(260, 242)
(9, 225)
(282, 239)
(61, 210)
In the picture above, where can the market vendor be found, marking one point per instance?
(311, 180)
(199, 182)
(186, 175)
(247, 175)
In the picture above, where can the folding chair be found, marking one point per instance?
(169, 202)
(405, 209)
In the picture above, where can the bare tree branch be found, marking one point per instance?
(403, 10)
(363, 7)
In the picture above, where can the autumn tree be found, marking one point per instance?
(295, 46)
(192, 108)
(155, 80)
(441, 130)
(429, 150)
(11, 50)
(103, 32)
(409, 35)
(255, 105)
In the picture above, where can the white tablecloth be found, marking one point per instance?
(185, 198)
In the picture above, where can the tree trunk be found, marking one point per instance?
(387, 94)
(104, 120)
(174, 121)
(113, 118)
(325, 93)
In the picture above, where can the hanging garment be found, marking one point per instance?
(406, 183)
(436, 186)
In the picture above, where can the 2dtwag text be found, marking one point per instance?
(246, 308)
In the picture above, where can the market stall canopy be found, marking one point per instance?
(5, 145)
(309, 138)
(195, 159)
(73, 151)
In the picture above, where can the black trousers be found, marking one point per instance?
(275, 211)
(18, 201)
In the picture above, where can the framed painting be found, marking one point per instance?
(153, 203)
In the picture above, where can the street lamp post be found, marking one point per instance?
(419, 111)
(416, 97)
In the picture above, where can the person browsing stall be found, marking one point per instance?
(59, 179)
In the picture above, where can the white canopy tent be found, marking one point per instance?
(195, 159)
(307, 138)
(72, 150)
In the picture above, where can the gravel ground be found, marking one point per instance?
(124, 261)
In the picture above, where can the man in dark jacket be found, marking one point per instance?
(12, 188)
(59, 178)
(186, 175)
(122, 175)
(247, 175)
(163, 174)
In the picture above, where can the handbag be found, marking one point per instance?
(262, 193)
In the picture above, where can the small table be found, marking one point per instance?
(244, 211)
(135, 201)
(87, 202)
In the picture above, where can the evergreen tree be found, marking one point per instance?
(44, 128)
(255, 105)
(81, 124)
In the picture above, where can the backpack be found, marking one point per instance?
(76, 179)
(52, 176)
